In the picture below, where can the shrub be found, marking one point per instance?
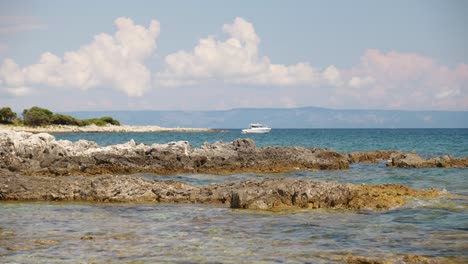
(59, 119)
(18, 122)
(110, 120)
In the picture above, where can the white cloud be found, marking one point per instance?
(117, 61)
(332, 75)
(389, 80)
(235, 60)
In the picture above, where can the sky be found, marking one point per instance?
(215, 55)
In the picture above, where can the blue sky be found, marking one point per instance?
(220, 55)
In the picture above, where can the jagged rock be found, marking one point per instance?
(41, 154)
(266, 194)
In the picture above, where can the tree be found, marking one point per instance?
(36, 116)
(7, 115)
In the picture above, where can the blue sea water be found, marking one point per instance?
(159, 233)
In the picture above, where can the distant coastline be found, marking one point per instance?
(103, 129)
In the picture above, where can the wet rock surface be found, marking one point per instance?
(266, 194)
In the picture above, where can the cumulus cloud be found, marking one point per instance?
(235, 60)
(391, 80)
(117, 61)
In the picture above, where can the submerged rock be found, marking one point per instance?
(266, 194)
(42, 154)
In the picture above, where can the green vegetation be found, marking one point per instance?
(7, 116)
(36, 116)
(102, 121)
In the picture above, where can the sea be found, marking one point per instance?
(59, 232)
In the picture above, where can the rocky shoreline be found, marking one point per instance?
(39, 167)
(102, 129)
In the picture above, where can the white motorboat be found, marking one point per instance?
(256, 129)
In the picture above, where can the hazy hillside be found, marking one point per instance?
(306, 117)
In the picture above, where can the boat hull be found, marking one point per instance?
(256, 131)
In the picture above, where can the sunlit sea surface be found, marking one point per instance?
(152, 233)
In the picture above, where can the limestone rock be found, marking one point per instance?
(41, 154)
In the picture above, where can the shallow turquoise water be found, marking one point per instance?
(153, 233)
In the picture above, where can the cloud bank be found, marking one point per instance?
(116, 61)
(389, 80)
(235, 60)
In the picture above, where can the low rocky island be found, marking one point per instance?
(42, 120)
(103, 129)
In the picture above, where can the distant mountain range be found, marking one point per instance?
(304, 117)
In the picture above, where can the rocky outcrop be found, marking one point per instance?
(42, 154)
(413, 160)
(373, 156)
(266, 194)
